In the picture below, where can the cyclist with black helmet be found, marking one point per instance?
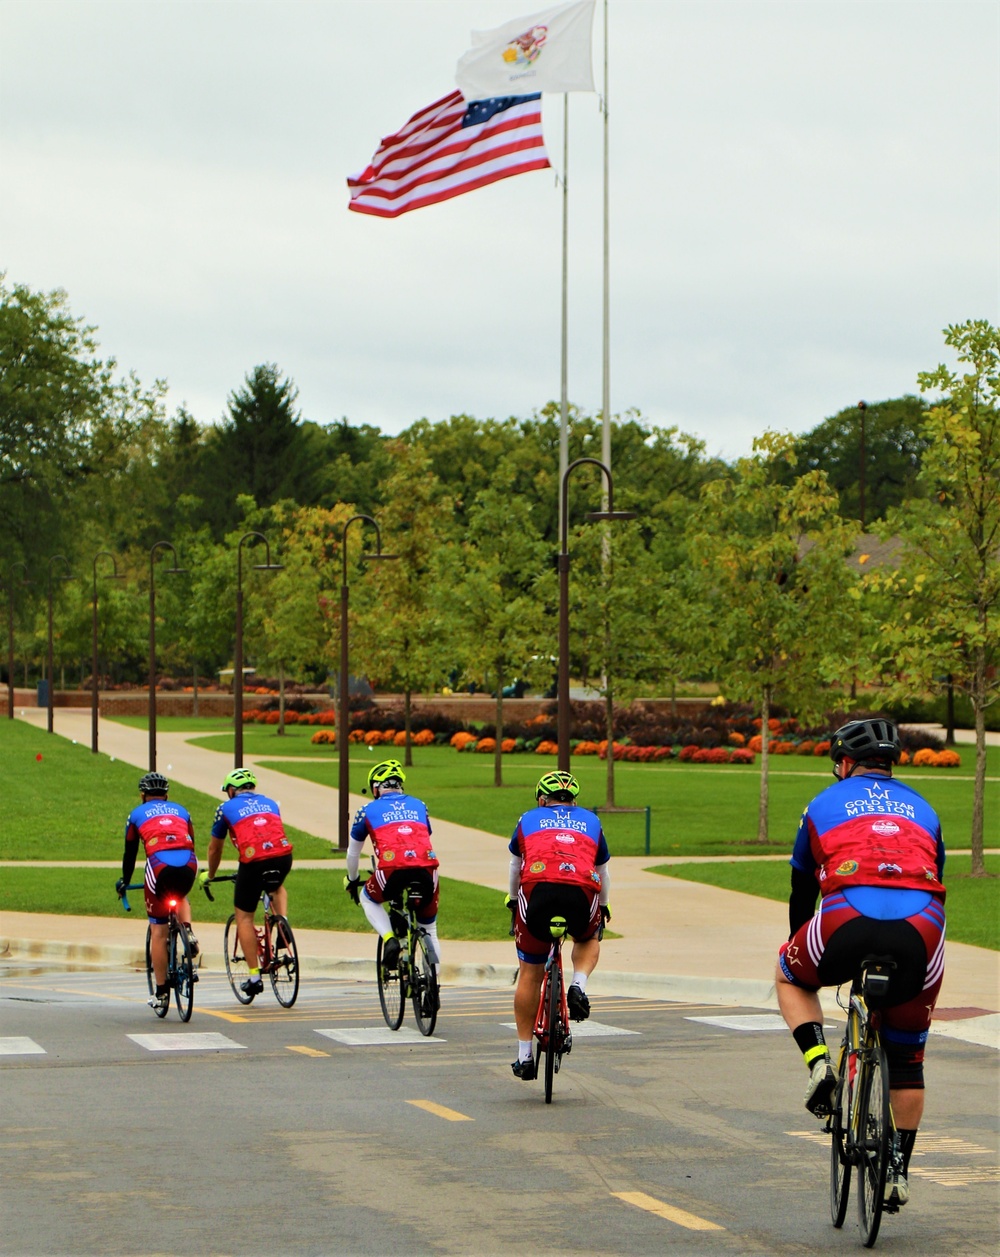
(871, 847)
(400, 831)
(167, 833)
(558, 867)
(253, 822)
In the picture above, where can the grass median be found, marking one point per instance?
(973, 903)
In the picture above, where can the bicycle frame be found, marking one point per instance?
(180, 978)
(552, 1033)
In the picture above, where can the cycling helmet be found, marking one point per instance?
(388, 773)
(239, 779)
(154, 783)
(559, 785)
(864, 740)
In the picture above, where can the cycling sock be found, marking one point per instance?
(812, 1044)
(524, 1049)
(254, 973)
(579, 979)
(906, 1141)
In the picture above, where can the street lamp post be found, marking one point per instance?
(103, 554)
(862, 409)
(62, 558)
(563, 717)
(10, 634)
(343, 717)
(238, 662)
(170, 571)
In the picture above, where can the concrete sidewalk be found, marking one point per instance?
(679, 939)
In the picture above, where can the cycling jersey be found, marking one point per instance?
(253, 822)
(161, 825)
(870, 831)
(400, 830)
(562, 843)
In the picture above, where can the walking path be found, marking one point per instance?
(679, 939)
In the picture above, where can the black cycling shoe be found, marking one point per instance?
(525, 1070)
(579, 1005)
(390, 953)
(252, 987)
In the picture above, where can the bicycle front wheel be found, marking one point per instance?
(391, 990)
(840, 1166)
(181, 968)
(423, 986)
(284, 961)
(874, 1133)
(237, 969)
(151, 977)
(553, 1046)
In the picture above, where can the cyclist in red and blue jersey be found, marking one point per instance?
(872, 847)
(558, 867)
(253, 822)
(400, 831)
(166, 832)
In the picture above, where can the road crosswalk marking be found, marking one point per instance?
(194, 1042)
(20, 1045)
(744, 1021)
(586, 1029)
(377, 1036)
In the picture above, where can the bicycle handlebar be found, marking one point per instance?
(219, 877)
(124, 898)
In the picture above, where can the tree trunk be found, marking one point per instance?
(765, 738)
(194, 689)
(949, 735)
(979, 789)
(673, 698)
(498, 752)
(609, 733)
(408, 751)
(281, 699)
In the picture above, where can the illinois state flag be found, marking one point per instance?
(547, 52)
(449, 148)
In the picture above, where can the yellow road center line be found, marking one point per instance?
(662, 1210)
(305, 1051)
(439, 1110)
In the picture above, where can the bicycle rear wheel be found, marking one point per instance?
(553, 1046)
(423, 986)
(392, 989)
(151, 977)
(874, 1132)
(840, 1166)
(181, 968)
(284, 961)
(237, 969)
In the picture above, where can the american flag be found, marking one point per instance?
(451, 147)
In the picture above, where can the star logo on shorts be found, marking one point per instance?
(792, 954)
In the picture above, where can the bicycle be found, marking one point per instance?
(553, 1037)
(277, 954)
(415, 976)
(181, 975)
(861, 1123)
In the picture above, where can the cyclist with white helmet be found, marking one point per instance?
(253, 822)
(400, 832)
(558, 867)
(871, 847)
(167, 833)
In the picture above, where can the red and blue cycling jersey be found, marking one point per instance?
(253, 821)
(871, 831)
(562, 843)
(161, 826)
(400, 830)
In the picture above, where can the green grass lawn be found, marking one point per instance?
(71, 804)
(973, 903)
(316, 901)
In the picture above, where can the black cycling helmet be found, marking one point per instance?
(864, 740)
(154, 783)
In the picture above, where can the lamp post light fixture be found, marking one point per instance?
(563, 716)
(170, 571)
(238, 662)
(103, 554)
(62, 559)
(343, 717)
(10, 633)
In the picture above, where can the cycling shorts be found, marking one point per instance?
(536, 907)
(256, 876)
(168, 877)
(382, 886)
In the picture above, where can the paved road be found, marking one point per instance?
(281, 1134)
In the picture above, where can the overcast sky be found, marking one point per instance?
(802, 196)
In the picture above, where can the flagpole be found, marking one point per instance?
(564, 369)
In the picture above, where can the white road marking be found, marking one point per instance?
(585, 1029)
(17, 1045)
(744, 1021)
(377, 1036)
(205, 1042)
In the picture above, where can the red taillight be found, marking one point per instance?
(172, 903)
